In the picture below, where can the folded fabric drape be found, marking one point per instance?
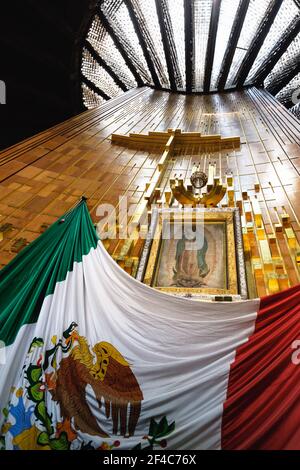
(92, 358)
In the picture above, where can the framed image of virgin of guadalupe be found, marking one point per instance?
(197, 255)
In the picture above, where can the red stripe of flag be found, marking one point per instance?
(262, 410)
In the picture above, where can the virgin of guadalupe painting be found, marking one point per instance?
(189, 264)
(194, 262)
(191, 268)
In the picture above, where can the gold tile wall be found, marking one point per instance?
(44, 176)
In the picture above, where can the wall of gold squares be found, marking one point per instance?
(43, 177)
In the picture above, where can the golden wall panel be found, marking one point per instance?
(43, 177)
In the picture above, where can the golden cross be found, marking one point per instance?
(170, 140)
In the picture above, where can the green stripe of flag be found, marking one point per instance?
(34, 272)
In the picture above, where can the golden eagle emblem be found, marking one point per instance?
(111, 379)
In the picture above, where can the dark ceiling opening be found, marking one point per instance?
(41, 43)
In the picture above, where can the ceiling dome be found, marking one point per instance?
(193, 46)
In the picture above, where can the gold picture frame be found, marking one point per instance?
(231, 278)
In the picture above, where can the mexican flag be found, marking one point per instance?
(93, 359)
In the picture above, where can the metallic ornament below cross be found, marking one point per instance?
(214, 194)
(199, 180)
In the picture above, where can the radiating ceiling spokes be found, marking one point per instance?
(191, 45)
